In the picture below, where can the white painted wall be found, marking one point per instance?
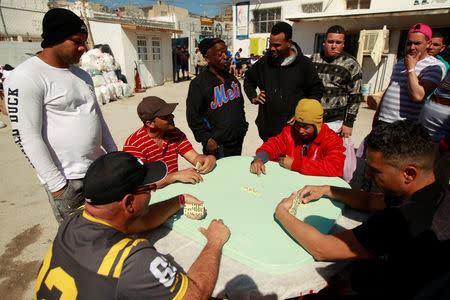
(23, 17)
(109, 33)
(339, 7)
(166, 55)
(245, 43)
(113, 35)
(123, 43)
(130, 53)
(14, 53)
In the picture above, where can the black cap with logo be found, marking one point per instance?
(110, 177)
(58, 24)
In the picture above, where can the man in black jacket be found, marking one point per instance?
(215, 105)
(284, 76)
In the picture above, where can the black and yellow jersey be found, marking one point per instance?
(89, 259)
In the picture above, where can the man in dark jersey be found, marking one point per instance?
(95, 256)
(215, 104)
(404, 244)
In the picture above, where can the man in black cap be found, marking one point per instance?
(160, 140)
(94, 255)
(54, 115)
(215, 105)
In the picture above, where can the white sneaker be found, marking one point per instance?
(2, 125)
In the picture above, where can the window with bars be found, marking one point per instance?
(142, 48)
(264, 19)
(156, 48)
(358, 4)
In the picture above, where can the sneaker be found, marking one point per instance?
(2, 125)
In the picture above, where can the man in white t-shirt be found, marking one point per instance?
(414, 78)
(54, 114)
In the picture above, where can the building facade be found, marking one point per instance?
(364, 20)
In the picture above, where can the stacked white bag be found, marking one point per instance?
(101, 67)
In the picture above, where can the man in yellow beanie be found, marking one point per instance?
(308, 146)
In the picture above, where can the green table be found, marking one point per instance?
(247, 203)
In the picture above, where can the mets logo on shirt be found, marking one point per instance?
(222, 96)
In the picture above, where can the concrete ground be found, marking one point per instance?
(25, 214)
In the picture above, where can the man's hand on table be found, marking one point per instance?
(257, 167)
(284, 205)
(189, 176)
(307, 194)
(208, 162)
(286, 162)
(217, 233)
(313, 192)
(189, 199)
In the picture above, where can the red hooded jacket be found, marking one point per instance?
(325, 156)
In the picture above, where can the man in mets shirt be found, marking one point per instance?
(215, 104)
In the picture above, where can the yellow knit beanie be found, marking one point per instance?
(309, 111)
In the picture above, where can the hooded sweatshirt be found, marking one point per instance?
(324, 156)
(285, 83)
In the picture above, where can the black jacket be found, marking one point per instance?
(215, 109)
(284, 86)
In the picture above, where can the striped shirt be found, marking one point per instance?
(142, 146)
(397, 104)
(443, 90)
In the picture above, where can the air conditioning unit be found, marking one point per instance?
(370, 37)
(313, 7)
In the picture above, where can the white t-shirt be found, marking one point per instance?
(397, 104)
(56, 120)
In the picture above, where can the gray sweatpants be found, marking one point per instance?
(70, 199)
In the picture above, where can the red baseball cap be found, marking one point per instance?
(422, 28)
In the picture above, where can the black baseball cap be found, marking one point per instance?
(110, 177)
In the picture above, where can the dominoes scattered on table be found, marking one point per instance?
(250, 190)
